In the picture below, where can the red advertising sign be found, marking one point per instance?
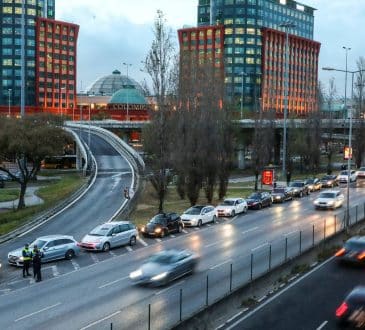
(267, 177)
(347, 153)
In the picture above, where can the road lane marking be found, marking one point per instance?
(184, 231)
(158, 239)
(322, 325)
(249, 230)
(170, 287)
(129, 249)
(208, 224)
(291, 233)
(113, 254)
(212, 244)
(111, 283)
(221, 264)
(94, 257)
(75, 264)
(260, 246)
(196, 228)
(37, 312)
(101, 320)
(32, 280)
(142, 241)
(55, 271)
(173, 236)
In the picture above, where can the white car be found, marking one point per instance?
(231, 206)
(360, 173)
(330, 199)
(343, 176)
(198, 215)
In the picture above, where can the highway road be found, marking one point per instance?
(94, 290)
(308, 304)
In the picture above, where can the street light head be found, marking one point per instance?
(328, 68)
(346, 48)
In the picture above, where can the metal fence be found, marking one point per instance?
(171, 305)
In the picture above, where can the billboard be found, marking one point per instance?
(347, 153)
(267, 177)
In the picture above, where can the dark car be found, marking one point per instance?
(259, 200)
(329, 181)
(164, 267)
(2, 183)
(314, 184)
(299, 188)
(281, 194)
(162, 224)
(351, 313)
(353, 251)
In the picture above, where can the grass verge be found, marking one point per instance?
(52, 193)
(7, 195)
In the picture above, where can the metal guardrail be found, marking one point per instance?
(81, 147)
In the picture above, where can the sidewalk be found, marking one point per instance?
(30, 199)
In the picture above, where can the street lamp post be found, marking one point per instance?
(127, 66)
(286, 25)
(346, 71)
(347, 219)
(9, 101)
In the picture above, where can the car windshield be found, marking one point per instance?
(39, 242)
(100, 231)
(327, 177)
(255, 196)
(327, 195)
(354, 245)
(296, 184)
(193, 210)
(362, 169)
(228, 202)
(344, 173)
(310, 181)
(158, 219)
(163, 258)
(278, 191)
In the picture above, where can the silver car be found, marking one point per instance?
(110, 235)
(52, 247)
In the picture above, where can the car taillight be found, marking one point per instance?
(340, 252)
(340, 311)
(361, 255)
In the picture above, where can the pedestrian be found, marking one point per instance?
(37, 261)
(27, 257)
(126, 193)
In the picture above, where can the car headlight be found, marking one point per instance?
(158, 230)
(135, 274)
(159, 277)
(330, 202)
(21, 258)
(143, 229)
(316, 202)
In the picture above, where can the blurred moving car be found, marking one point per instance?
(360, 173)
(353, 250)
(164, 267)
(110, 235)
(314, 184)
(351, 313)
(330, 199)
(163, 224)
(231, 206)
(53, 247)
(299, 188)
(344, 176)
(281, 194)
(329, 181)
(258, 200)
(198, 215)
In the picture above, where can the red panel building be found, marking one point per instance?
(56, 45)
(303, 73)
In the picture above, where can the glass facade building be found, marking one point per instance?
(243, 21)
(11, 40)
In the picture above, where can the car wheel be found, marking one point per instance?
(245, 209)
(233, 213)
(69, 254)
(270, 203)
(132, 241)
(200, 223)
(259, 206)
(106, 247)
(214, 219)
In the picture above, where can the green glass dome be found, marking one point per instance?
(129, 94)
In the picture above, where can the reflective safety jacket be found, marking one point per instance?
(27, 254)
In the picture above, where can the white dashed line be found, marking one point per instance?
(111, 283)
(196, 228)
(208, 225)
(170, 287)
(113, 254)
(158, 239)
(221, 264)
(260, 246)
(142, 241)
(173, 236)
(37, 312)
(322, 325)
(291, 233)
(212, 244)
(101, 320)
(249, 230)
(94, 257)
(32, 280)
(184, 231)
(55, 271)
(129, 249)
(75, 264)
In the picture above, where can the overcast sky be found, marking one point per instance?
(117, 31)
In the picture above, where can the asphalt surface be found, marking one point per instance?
(309, 304)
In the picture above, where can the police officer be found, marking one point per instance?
(37, 255)
(27, 257)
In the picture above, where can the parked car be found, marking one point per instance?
(330, 199)
(314, 184)
(110, 235)
(198, 215)
(344, 176)
(360, 173)
(353, 251)
(281, 194)
(329, 181)
(231, 206)
(299, 188)
(164, 267)
(163, 224)
(52, 247)
(258, 200)
(351, 313)
(5, 176)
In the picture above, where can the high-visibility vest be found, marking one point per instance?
(27, 255)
